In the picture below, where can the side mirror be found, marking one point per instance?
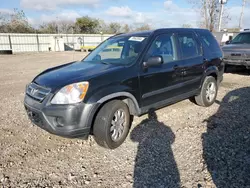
(153, 61)
(228, 42)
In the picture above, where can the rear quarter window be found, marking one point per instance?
(210, 45)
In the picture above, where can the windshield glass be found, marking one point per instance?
(241, 38)
(121, 50)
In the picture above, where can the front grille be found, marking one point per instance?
(237, 55)
(37, 92)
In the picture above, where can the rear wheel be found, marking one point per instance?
(208, 92)
(112, 124)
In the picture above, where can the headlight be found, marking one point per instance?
(71, 94)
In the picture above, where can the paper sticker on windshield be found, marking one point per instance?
(137, 39)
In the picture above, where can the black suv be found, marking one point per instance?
(127, 75)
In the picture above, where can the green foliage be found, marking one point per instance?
(17, 22)
(86, 24)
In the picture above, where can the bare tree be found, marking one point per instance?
(126, 28)
(65, 26)
(114, 27)
(50, 28)
(186, 25)
(14, 22)
(143, 27)
(209, 10)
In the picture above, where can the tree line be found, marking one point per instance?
(17, 22)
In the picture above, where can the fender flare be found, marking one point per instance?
(122, 94)
(209, 71)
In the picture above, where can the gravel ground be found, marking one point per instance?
(182, 145)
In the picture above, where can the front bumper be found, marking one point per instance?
(70, 121)
(239, 62)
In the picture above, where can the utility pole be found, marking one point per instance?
(242, 13)
(205, 13)
(57, 24)
(222, 2)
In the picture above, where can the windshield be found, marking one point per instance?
(241, 38)
(118, 50)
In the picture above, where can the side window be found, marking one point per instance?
(163, 46)
(209, 41)
(188, 45)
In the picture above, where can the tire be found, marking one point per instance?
(226, 69)
(203, 98)
(111, 116)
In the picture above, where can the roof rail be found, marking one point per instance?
(115, 35)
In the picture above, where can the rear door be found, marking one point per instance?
(159, 83)
(192, 60)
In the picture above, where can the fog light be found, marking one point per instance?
(59, 122)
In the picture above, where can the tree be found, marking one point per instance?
(65, 26)
(14, 22)
(210, 10)
(143, 27)
(86, 24)
(126, 28)
(186, 25)
(50, 28)
(114, 27)
(102, 27)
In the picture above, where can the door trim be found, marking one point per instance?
(166, 89)
(169, 101)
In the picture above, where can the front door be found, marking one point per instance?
(159, 83)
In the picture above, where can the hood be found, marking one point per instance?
(60, 76)
(237, 47)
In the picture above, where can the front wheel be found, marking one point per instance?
(112, 124)
(208, 92)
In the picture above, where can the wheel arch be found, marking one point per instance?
(126, 97)
(211, 71)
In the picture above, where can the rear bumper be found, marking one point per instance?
(70, 121)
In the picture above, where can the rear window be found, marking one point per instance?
(210, 43)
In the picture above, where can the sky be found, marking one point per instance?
(156, 13)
